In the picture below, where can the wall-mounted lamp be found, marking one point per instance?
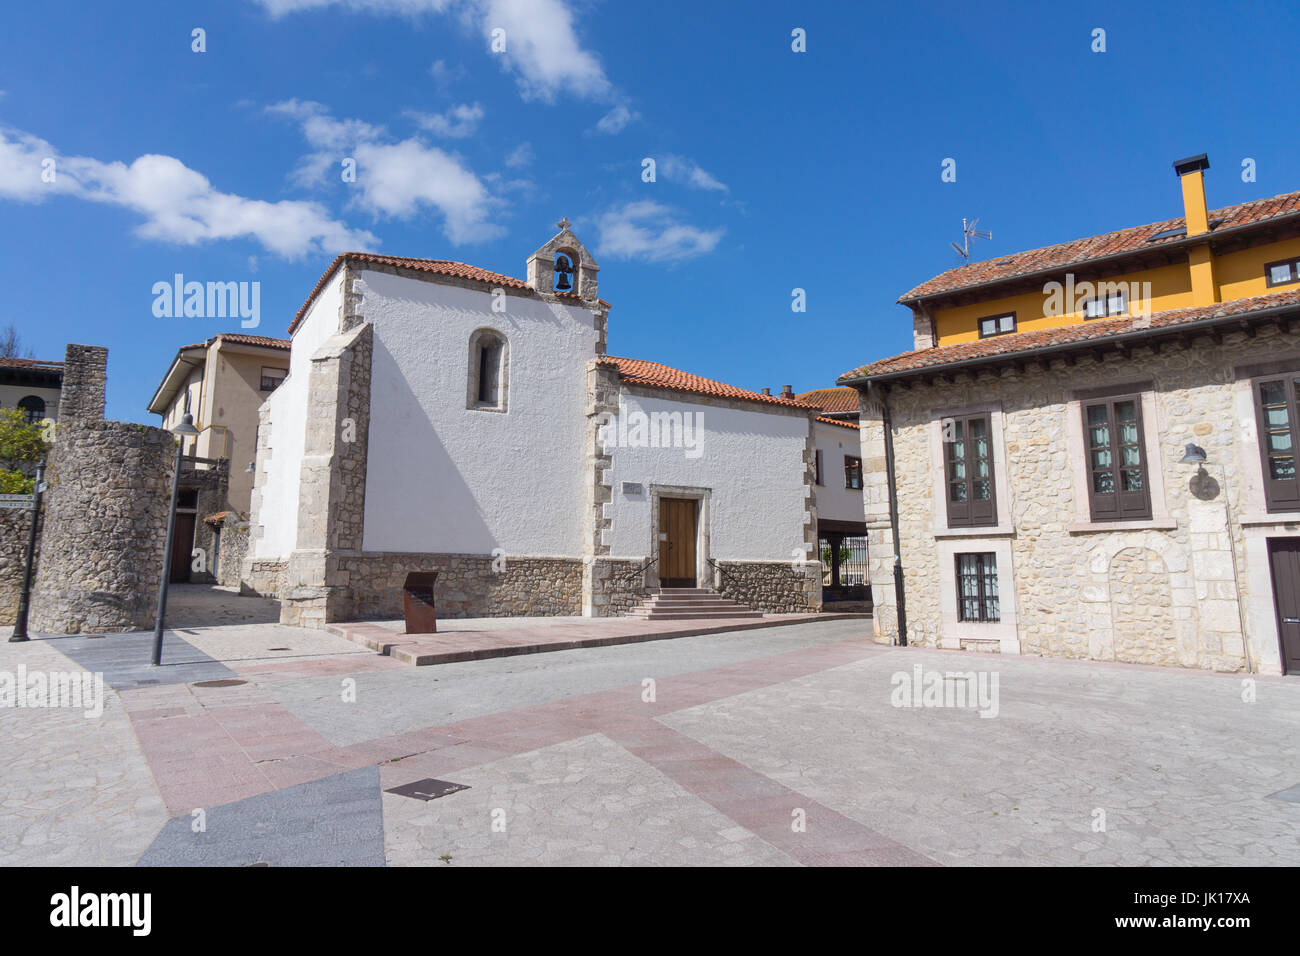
(1194, 455)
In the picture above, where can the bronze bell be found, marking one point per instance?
(562, 284)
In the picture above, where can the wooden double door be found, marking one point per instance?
(677, 529)
(1284, 560)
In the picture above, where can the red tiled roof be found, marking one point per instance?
(654, 375)
(831, 399)
(445, 267)
(30, 363)
(263, 340)
(1081, 251)
(839, 421)
(1082, 333)
(217, 518)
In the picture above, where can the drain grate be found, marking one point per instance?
(427, 789)
(224, 682)
(96, 637)
(279, 648)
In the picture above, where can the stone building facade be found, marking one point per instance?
(1113, 480)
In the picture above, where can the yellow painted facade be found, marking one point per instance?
(1202, 279)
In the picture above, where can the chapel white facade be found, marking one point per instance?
(439, 417)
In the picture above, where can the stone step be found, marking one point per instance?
(690, 605)
(657, 615)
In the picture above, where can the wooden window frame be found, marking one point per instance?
(852, 468)
(1117, 505)
(986, 567)
(971, 512)
(1294, 265)
(979, 325)
(1279, 495)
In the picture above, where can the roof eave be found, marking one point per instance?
(1080, 345)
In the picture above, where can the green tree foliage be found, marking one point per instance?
(22, 445)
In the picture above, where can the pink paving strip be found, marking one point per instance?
(454, 646)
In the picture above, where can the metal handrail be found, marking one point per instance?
(720, 569)
(634, 572)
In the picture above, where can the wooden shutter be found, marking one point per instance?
(1119, 477)
(970, 487)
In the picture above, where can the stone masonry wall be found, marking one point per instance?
(105, 519)
(1155, 595)
(232, 549)
(613, 585)
(468, 585)
(15, 527)
(85, 378)
(775, 587)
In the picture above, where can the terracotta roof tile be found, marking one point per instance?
(263, 340)
(1081, 251)
(654, 375)
(838, 421)
(217, 518)
(445, 267)
(831, 399)
(1082, 333)
(30, 363)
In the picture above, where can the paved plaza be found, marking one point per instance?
(786, 745)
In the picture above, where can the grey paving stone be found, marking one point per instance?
(337, 821)
(124, 659)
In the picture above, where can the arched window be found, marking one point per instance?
(33, 406)
(489, 371)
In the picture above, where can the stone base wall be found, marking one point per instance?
(105, 521)
(613, 586)
(368, 586)
(231, 551)
(777, 587)
(15, 528)
(263, 578)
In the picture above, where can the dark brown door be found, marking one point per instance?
(1284, 558)
(182, 545)
(677, 542)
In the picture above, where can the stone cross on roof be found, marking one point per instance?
(564, 223)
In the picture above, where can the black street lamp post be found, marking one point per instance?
(182, 431)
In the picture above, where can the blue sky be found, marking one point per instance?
(775, 169)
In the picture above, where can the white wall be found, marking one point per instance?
(751, 460)
(279, 512)
(11, 395)
(834, 501)
(444, 478)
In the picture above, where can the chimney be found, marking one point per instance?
(767, 391)
(1192, 173)
(1200, 258)
(85, 374)
(787, 393)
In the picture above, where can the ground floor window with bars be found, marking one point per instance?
(977, 587)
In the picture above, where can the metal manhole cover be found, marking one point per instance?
(279, 648)
(427, 789)
(225, 682)
(96, 637)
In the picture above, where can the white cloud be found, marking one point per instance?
(649, 231)
(616, 120)
(521, 156)
(542, 47)
(444, 75)
(456, 123)
(394, 179)
(678, 169)
(178, 204)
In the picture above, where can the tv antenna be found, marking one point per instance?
(969, 232)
